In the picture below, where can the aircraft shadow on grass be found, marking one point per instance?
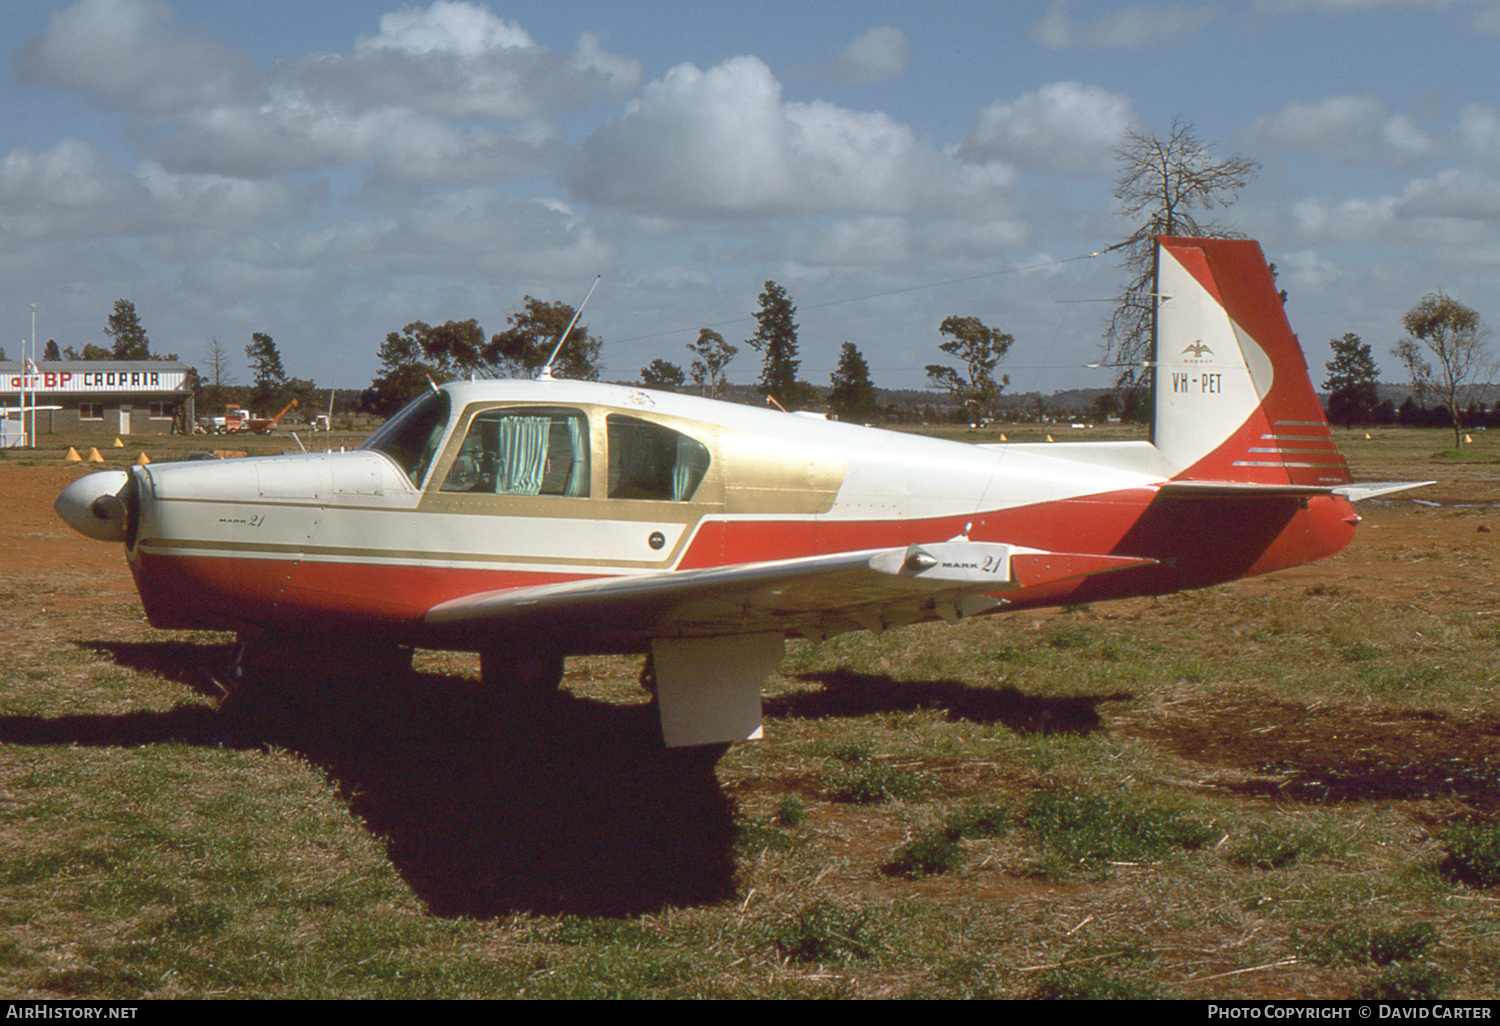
(487, 808)
(846, 692)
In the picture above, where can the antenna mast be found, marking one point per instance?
(546, 372)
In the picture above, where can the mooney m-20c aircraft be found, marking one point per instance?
(532, 520)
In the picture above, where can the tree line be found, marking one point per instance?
(421, 355)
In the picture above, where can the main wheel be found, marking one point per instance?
(534, 675)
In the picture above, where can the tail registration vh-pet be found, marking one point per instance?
(532, 520)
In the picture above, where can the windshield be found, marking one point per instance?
(411, 438)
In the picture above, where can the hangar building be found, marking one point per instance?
(110, 397)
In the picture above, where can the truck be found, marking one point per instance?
(231, 422)
(237, 419)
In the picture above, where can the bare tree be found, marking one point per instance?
(1164, 185)
(1458, 341)
(220, 377)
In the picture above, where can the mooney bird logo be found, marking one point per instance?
(1198, 350)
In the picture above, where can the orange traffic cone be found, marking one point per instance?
(72, 456)
(94, 456)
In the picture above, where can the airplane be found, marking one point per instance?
(531, 520)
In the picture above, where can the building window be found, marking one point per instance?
(90, 411)
(161, 411)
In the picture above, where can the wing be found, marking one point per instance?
(714, 633)
(815, 596)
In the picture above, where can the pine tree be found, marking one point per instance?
(852, 396)
(776, 337)
(1352, 376)
(270, 376)
(125, 328)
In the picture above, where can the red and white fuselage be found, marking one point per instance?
(572, 517)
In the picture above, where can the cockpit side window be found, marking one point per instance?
(411, 438)
(649, 461)
(532, 450)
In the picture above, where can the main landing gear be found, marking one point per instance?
(533, 676)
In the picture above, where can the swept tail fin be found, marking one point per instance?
(1234, 402)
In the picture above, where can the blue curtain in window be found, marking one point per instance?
(523, 455)
(578, 475)
(688, 471)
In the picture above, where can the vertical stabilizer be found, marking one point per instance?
(1233, 398)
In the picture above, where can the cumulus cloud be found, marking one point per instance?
(1352, 220)
(459, 60)
(1063, 127)
(392, 102)
(1148, 25)
(1456, 207)
(1462, 193)
(447, 26)
(394, 144)
(1346, 128)
(129, 54)
(723, 143)
(1343, 6)
(73, 191)
(881, 53)
(888, 241)
(1479, 133)
(620, 75)
(1487, 20)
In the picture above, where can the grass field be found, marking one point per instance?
(1287, 787)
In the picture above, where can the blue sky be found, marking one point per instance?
(329, 172)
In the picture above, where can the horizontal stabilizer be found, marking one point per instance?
(1370, 489)
(1250, 490)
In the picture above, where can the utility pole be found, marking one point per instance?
(31, 433)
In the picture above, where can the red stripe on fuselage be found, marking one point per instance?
(1196, 542)
(248, 593)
